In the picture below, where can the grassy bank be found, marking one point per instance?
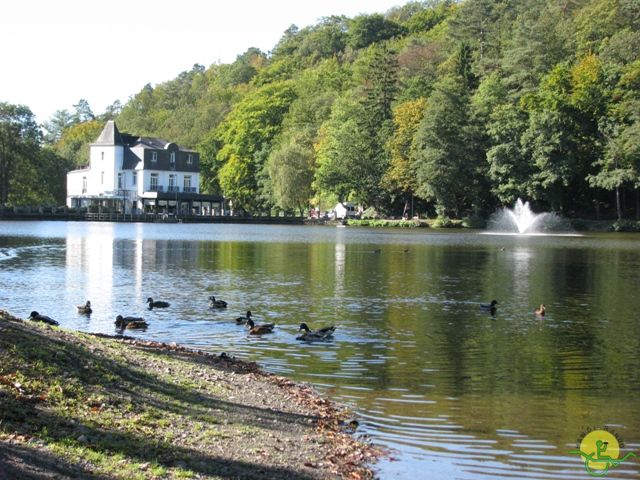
(76, 405)
(476, 223)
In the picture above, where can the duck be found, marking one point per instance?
(259, 329)
(213, 303)
(320, 334)
(245, 319)
(130, 322)
(490, 307)
(541, 310)
(36, 317)
(157, 303)
(85, 309)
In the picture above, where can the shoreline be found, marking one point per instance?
(80, 405)
(26, 214)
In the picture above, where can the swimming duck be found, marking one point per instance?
(541, 310)
(156, 304)
(259, 329)
(35, 316)
(243, 320)
(130, 322)
(320, 334)
(213, 303)
(85, 309)
(489, 306)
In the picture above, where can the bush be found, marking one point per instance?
(370, 213)
(626, 226)
(443, 222)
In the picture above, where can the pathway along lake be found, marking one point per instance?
(453, 390)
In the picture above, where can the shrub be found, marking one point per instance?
(443, 222)
(626, 226)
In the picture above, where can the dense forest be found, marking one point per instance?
(453, 107)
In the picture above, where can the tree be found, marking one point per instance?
(401, 176)
(290, 169)
(55, 126)
(352, 155)
(620, 164)
(444, 152)
(83, 112)
(74, 144)
(249, 127)
(368, 29)
(19, 143)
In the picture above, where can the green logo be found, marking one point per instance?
(600, 450)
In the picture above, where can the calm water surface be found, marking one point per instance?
(453, 391)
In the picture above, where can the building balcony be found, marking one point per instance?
(173, 188)
(190, 189)
(156, 188)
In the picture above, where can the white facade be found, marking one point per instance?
(136, 174)
(345, 210)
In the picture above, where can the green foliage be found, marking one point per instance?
(250, 127)
(290, 169)
(444, 159)
(74, 145)
(368, 29)
(461, 106)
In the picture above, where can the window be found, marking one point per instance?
(101, 155)
(173, 184)
(172, 159)
(84, 184)
(154, 182)
(154, 156)
(119, 181)
(187, 183)
(134, 178)
(190, 159)
(101, 178)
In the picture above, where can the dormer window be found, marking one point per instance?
(190, 159)
(172, 159)
(154, 157)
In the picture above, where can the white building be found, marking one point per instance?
(140, 174)
(345, 210)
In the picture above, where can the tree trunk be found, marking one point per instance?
(618, 206)
(637, 203)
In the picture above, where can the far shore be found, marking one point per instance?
(65, 214)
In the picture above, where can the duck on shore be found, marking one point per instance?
(156, 304)
(213, 303)
(130, 322)
(309, 335)
(85, 309)
(259, 329)
(245, 319)
(541, 310)
(36, 317)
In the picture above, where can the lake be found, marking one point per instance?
(452, 390)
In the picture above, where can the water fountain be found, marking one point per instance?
(521, 220)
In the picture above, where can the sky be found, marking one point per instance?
(54, 53)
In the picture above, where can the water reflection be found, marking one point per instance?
(458, 392)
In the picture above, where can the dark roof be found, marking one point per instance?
(130, 160)
(110, 135)
(152, 142)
